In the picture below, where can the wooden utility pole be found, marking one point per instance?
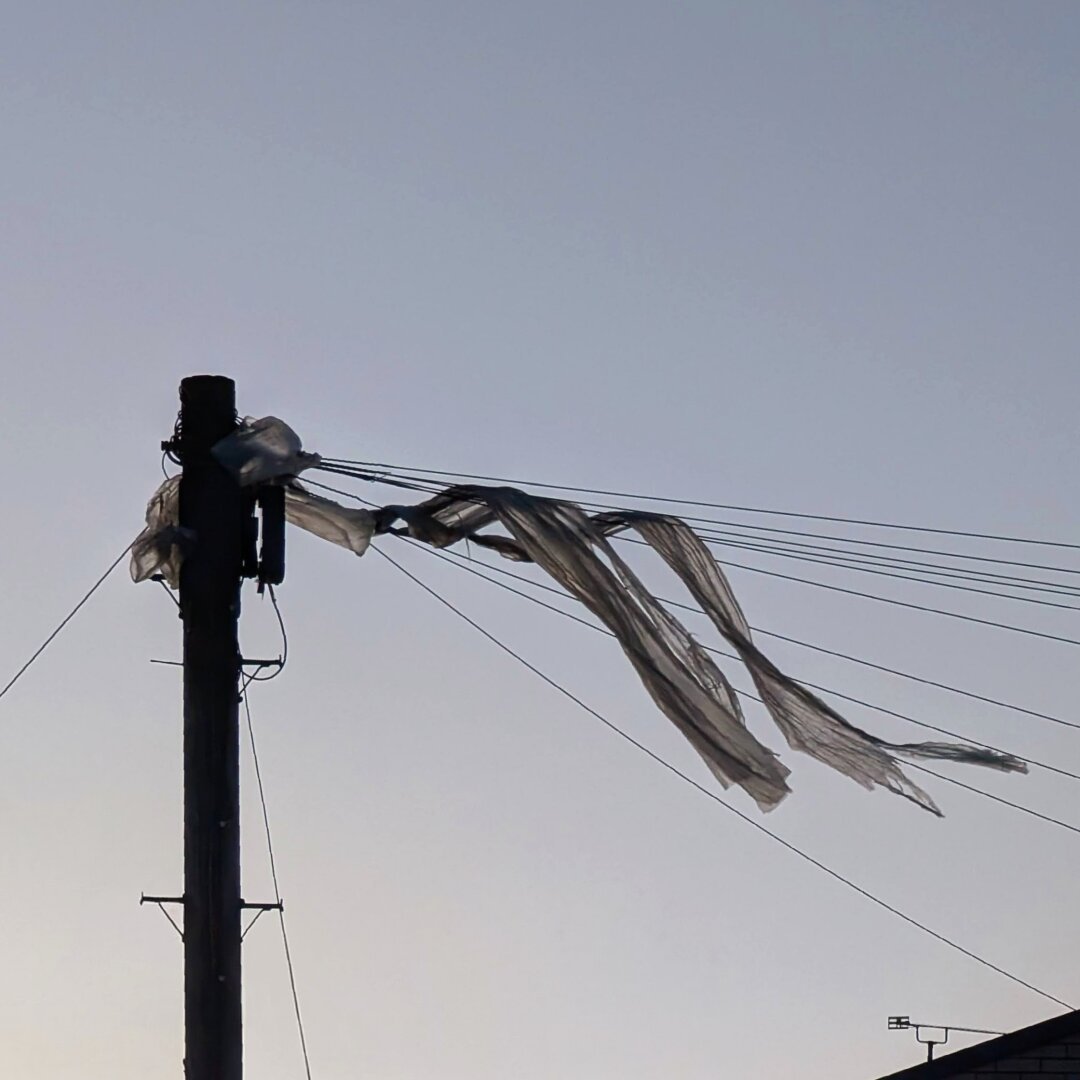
(216, 510)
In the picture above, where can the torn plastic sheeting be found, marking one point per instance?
(160, 547)
(681, 678)
(262, 450)
(162, 544)
(349, 528)
(679, 675)
(266, 450)
(807, 723)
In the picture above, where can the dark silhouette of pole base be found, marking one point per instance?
(215, 509)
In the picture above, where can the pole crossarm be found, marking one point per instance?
(161, 901)
(260, 910)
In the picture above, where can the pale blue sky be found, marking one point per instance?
(811, 256)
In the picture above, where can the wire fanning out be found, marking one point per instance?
(464, 564)
(996, 798)
(902, 603)
(775, 535)
(754, 697)
(429, 488)
(817, 648)
(901, 573)
(721, 802)
(885, 558)
(750, 531)
(877, 562)
(971, 694)
(370, 467)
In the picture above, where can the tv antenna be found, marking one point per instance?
(905, 1023)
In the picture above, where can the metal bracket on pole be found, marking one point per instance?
(258, 909)
(161, 901)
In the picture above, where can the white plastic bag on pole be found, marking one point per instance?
(160, 547)
(261, 450)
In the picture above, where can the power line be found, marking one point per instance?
(820, 560)
(279, 667)
(862, 542)
(432, 487)
(903, 674)
(824, 585)
(67, 618)
(948, 779)
(910, 566)
(720, 506)
(876, 558)
(899, 603)
(754, 697)
(996, 798)
(731, 656)
(721, 802)
(274, 879)
(971, 694)
(849, 564)
(830, 652)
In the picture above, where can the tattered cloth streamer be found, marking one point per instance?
(679, 675)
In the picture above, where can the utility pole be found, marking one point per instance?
(217, 511)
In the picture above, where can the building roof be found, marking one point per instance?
(1014, 1044)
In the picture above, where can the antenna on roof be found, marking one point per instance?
(905, 1023)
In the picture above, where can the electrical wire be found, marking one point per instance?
(849, 564)
(284, 659)
(898, 603)
(308, 482)
(754, 697)
(428, 486)
(971, 694)
(836, 588)
(906, 675)
(274, 879)
(67, 618)
(949, 779)
(829, 652)
(731, 656)
(417, 484)
(721, 802)
(716, 506)
(952, 571)
(877, 558)
(996, 798)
